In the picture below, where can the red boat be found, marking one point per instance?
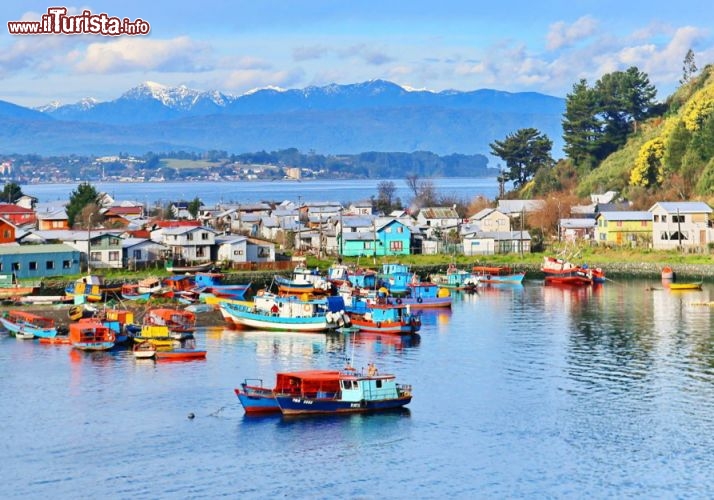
(562, 272)
(180, 354)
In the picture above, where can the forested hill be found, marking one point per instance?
(670, 156)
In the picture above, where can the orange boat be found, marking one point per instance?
(178, 320)
(89, 334)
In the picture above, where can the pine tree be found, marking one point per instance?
(524, 152)
(689, 67)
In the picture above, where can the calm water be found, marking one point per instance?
(529, 392)
(247, 192)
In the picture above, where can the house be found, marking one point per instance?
(17, 215)
(52, 219)
(139, 253)
(684, 223)
(624, 228)
(391, 238)
(39, 261)
(491, 220)
(121, 215)
(230, 249)
(7, 232)
(102, 248)
(514, 208)
(105, 251)
(490, 243)
(576, 229)
(191, 244)
(360, 208)
(260, 250)
(438, 220)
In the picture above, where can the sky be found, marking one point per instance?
(238, 46)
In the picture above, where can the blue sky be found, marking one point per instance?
(237, 46)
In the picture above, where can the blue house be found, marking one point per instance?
(39, 261)
(391, 238)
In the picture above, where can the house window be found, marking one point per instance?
(114, 241)
(388, 230)
(114, 256)
(32, 266)
(200, 251)
(204, 236)
(619, 223)
(66, 264)
(6, 234)
(643, 223)
(50, 264)
(15, 266)
(237, 252)
(136, 255)
(95, 256)
(367, 245)
(263, 252)
(664, 218)
(400, 229)
(189, 236)
(678, 218)
(656, 218)
(396, 246)
(603, 236)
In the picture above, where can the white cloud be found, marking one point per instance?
(563, 35)
(131, 54)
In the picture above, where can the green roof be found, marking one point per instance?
(35, 249)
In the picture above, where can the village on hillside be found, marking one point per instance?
(37, 241)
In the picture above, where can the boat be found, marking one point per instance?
(213, 284)
(694, 285)
(86, 289)
(154, 287)
(119, 321)
(498, 275)
(458, 279)
(180, 354)
(181, 323)
(159, 335)
(395, 278)
(425, 295)
(130, 291)
(561, 272)
(272, 312)
(596, 274)
(173, 267)
(667, 273)
(257, 399)
(384, 317)
(359, 278)
(347, 392)
(10, 288)
(24, 323)
(144, 350)
(303, 281)
(89, 334)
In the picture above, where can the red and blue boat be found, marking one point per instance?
(384, 317)
(346, 392)
(303, 281)
(89, 334)
(500, 275)
(28, 325)
(561, 272)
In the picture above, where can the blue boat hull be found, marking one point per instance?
(290, 405)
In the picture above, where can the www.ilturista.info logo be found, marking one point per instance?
(57, 22)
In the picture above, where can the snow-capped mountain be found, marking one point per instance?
(376, 115)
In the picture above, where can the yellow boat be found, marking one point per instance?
(158, 335)
(686, 286)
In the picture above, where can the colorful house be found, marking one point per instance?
(623, 228)
(7, 231)
(39, 261)
(17, 215)
(391, 238)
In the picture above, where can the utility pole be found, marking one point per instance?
(520, 241)
(341, 233)
(89, 244)
(297, 243)
(679, 230)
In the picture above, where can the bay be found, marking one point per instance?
(519, 392)
(210, 193)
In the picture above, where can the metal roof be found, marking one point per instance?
(683, 206)
(35, 249)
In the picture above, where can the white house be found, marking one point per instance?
(232, 248)
(684, 223)
(491, 220)
(190, 243)
(489, 243)
(140, 252)
(260, 250)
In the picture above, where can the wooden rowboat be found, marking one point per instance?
(697, 285)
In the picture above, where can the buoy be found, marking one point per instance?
(191, 416)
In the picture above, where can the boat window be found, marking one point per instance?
(379, 384)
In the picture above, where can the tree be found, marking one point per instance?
(11, 193)
(689, 67)
(524, 152)
(194, 206)
(424, 191)
(582, 130)
(385, 196)
(84, 195)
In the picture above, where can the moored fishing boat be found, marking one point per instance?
(10, 288)
(561, 272)
(693, 285)
(384, 317)
(425, 295)
(303, 281)
(180, 323)
(346, 392)
(89, 334)
(271, 312)
(144, 350)
(498, 275)
(175, 267)
(130, 291)
(458, 279)
(212, 283)
(23, 323)
(86, 289)
(395, 278)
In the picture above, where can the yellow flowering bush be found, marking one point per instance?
(648, 169)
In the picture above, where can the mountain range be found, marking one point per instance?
(376, 115)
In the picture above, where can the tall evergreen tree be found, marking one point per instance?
(689, 67)
(11, 193)
(582, 130)
(84, 195)
(524, 152)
